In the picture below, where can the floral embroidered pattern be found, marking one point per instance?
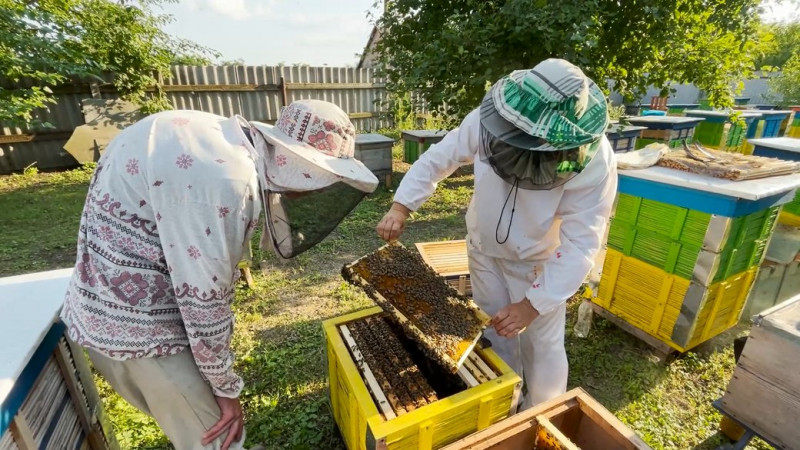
(129, 288)
(180, 121)
(184, 161)
(281, 160)
(223, 211)
(132, 167)
(193, 252)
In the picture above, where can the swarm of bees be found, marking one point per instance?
(445, 323)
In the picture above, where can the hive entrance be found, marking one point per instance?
(445, 323)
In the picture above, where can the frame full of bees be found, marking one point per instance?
(387, 394)
(445, 323)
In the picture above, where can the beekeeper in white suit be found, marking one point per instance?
(545, 180)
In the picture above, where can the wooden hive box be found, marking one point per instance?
(375, 151)
(572, 421)
(449, 259)
(363, 408)
(764, 392)
(669, 130)
(47, 394)
(719, 132)
(623, 138)
(794, 127)
(683, 252)
(415, 142)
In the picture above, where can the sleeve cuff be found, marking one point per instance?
(540, 299)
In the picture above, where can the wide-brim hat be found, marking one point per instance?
(320, 133)
(551, 107)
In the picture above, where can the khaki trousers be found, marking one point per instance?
(169, 389)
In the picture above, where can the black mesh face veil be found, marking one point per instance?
(297, 221)
(531, 169)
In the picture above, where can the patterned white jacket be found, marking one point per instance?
(172, 202)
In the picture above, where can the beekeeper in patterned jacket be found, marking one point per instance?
(171, 206)
(545, 180)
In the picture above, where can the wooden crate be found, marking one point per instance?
(358, 410)
(450, 260)
(415, 142)
(764, 392)
(375, 151)
(571, 421)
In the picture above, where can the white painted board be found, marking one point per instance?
(747, 190)
(779, 143)
(29, 305)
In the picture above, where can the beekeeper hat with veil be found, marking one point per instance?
(308, 176)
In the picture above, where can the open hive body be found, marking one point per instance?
(386, 394)
(681, 259)
(445, 323)
(571, 421)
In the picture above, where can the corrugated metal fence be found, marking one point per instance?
(254, 92)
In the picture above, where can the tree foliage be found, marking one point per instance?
(448, 50)
(781, 41)
(787, 84)
(46, 43)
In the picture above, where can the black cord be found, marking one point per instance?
(515, 189)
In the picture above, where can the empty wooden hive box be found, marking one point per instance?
(415, 142)
(386, 395)
(683, 251)
(764, 392)
(375, 151)
(47, 395)
(449, 259)
(670, 130)
(572, 421)
(720, 131)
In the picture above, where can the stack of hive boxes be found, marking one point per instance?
(680, 262)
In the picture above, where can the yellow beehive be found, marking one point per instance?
(787, 218)
(364, 426)
(650, 299)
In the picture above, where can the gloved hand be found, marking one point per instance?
(393, 223)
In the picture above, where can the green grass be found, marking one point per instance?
(280, 346)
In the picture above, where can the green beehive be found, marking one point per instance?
(688, 243)
(415, 142)
(720, 131)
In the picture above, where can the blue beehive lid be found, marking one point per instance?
(665, 122)
(777, 147)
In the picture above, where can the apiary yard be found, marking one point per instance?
(280, 345)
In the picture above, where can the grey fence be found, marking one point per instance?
(254, 92)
